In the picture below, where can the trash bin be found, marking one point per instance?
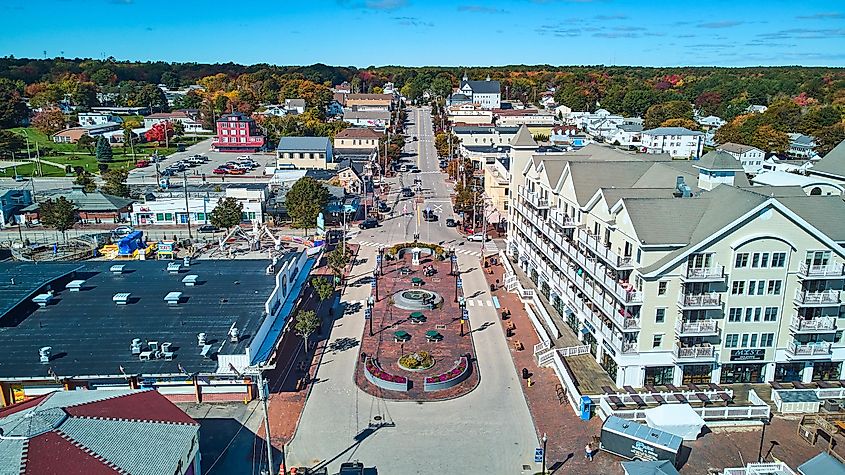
(586, 408)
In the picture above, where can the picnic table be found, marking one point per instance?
(416, 282)
(401, 335)
(405, 271)
(433, 335)
(417, 317)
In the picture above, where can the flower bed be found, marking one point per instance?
(419, 361)
(450, 378)
(397, 250)
(383, 379)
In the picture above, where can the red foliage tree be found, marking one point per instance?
(158, 131)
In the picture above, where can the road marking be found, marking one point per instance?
(470, 303)
(489, 303)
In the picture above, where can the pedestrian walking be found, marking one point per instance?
(588, 452)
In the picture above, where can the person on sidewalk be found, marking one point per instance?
(588, 452)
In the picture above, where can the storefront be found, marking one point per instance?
(826, 370)
(697, 373)
(609, 365)
(746, 366)
(788, 372)
(659, 375)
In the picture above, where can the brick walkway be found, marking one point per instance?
(388, 319)
(567, 433)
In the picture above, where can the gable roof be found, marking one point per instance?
(483, 87)
(718, 160)
(833, 163)
(672, 131)
(736, 147)
(358, 133)
(523, 138)
(87, 202)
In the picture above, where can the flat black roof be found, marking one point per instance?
(18, 282)
(90, 335)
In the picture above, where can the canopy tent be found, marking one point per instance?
(822, 464)
(678, 419)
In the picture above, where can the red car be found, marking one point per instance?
(236, 171)
(220, 171)
(142, 163)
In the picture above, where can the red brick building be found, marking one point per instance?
(237, 132)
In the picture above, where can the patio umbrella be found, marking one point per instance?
(417, 315)
(416, 280)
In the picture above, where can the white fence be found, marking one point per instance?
(727, 413)
(568, 381)
(764, 468)
(574, 350)
(801, 406)
(541, 332)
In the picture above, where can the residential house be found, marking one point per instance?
(351, 176)
(146, 432)
(679, 142)
(295, 106)
(547, 100)
(469, 113)
(812, 185)
(305, 153)
(190, 120)
(678, 272)
(369, 102)
(172, 95)
(236, 132)
(343, 88)
(276, 110)
(71, 135)
(750, 157)
(801, 146)
(114, 110)
(484, 135)
(367, 118)
(562, 111)
(538, 122)
(12, 202)
(357, 138)
(627, 135)
(91, 208)
(97, 118)
(390, 88)
(711, 122)
(487, 93)
(756, 109)
(497, 188)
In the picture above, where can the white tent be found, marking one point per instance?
(678, 419)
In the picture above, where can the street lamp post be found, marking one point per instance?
(545, 439)
(458, 285)
(464, 315)
(453, 261)
(370, 304)
(375, 281)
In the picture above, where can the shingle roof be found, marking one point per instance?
(357, 114)
(718, 160)
(483, 87)
(95, 432)
(88, 202)
(309, 144)
(833, 163)
(358, 133)
(671, 131)
(523, 138)
(735, 147)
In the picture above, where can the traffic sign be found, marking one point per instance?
(460, 283)
(538, 455)
(368, 314)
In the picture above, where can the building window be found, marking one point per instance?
(731, 340)
(767, 340)
(661, 287)
(735, 314)
(755, 260)
(752, 286)
(771, 314)
(758, 312)
(741, 260)
(764, 259)
(778, 259)
(660, 315)
(738, 287)
(159, 216)
(774, 287)
(753, 340)
(744, 343)
(749, 311)
(657, 341)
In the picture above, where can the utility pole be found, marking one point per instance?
(262, 392)
(187, 206)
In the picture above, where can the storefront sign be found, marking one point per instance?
(748, 355)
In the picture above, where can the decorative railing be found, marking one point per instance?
(450, 378)
(704, 351)
(383, 379)
(603, 252)
(812, 324)
(705, 273)
(701, 327)
(824, 297)
(808, 349)
(701, 300)
(835, 269)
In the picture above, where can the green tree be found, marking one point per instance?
(170, 79)
(84, 179)
(638, 101)
(323, 287)
(307, 322)
(829, 137)
(442, 85)
(767, 138)
(115, 183)
(178, 129)
(337, 261)
(685, 123)
(819, 118)
(305, 200)
(84, 94)
(659, 113)
(10, 143)
(59, 214)
(228, 213)
(129, 137)
(87, 143)
(103, 150)
(12, 108)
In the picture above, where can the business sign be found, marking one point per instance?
(748, 354)
(538, 455)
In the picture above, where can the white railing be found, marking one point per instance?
(704, 351)
(752, 412)
(829, 393)
(824, 297)
(754, 399)
(545, 358)
(705, 273)
(567, 380)
(711, 299)
(761, 468)
(812, 324)
(808, 349)
(701, 327)
(542, 346)
(834, 269)
(631, 323)
(541, 309)
(541, 332)
(573, 350)
(594, 244)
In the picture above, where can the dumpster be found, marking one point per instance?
(635, 441)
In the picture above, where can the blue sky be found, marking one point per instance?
(431, 32)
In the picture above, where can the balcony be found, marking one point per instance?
(695, 353)
(710, 301)
(812, 325)
(698, 328)
(704, 274)
(824, 298)
(834, 270)
(604, 253)
(808, 350)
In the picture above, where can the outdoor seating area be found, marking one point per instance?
(417, 318)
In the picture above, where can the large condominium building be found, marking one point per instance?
(679, 272)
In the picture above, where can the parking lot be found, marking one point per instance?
(147, 175)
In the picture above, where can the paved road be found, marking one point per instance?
(487, 431)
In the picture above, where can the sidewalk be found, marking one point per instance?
(567, 434)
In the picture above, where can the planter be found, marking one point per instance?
(451, 378)
(383, 379)
(426, 359)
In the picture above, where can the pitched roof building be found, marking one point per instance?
(98, 433)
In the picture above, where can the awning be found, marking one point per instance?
(585, 330)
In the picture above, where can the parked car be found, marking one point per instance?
(220, 171)
(368, 223)
(142, 163)
(208, 228)
(20, 178)
(122, 231)
(451, 223)
(237, 171)
(244, 157)
(429, 215)
(478, 237)
(407, 192)
(382, 206)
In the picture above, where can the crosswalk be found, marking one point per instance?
(489, 248)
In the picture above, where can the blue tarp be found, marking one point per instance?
(131, 243)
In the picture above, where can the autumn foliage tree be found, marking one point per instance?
(160, 132)
(50, 120)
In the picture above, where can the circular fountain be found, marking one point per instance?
(417, 299)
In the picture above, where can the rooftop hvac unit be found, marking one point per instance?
(201, 339)
(234, 334)
(44, 354)
(135, 346)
